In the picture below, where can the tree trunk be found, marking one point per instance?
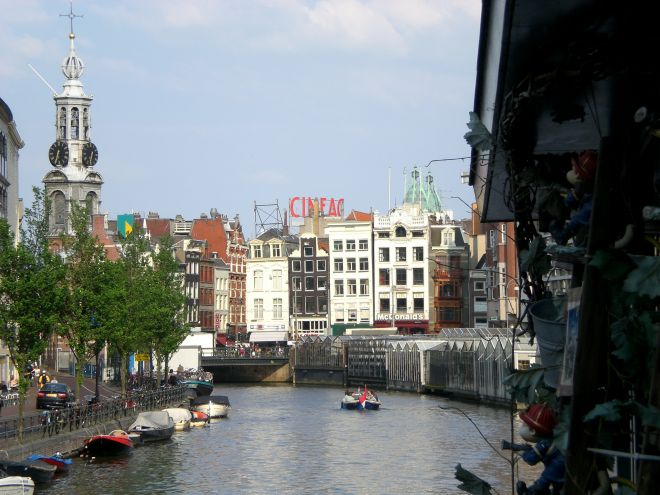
(122, 373)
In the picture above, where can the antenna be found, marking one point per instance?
(43, 80)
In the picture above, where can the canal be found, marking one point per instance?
(296, 440)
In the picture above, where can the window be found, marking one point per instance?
(352, 287)
(401, 303)
(258, 309)
(75, 123)
(523, 364)
(277, 308)
(384, 254)
(418, 302)
(401, 254)
(339, 287)
(400, 232)
(350, 245)
(491, 238)
(418, 276)
(365, 314)
(339, 312)
(309, 283)
(321, 283)
(258, 280)
(479, 286)
(339, 265)
(383, 235)
(350, 264)
(297, 304)
(323, 304)
(321, 265)
(364, 287)
(256, 251)
(384, 305)
(337, 245)
(297, 283)
(363, 244)
(417, 233)
(310, 305)
(295, 265)
(276, 250)
(308, 250)
(418, 253)
(401, 276)
(503, 231)
(384, 276)
(309, 266)
(447, 238)
(448, 290)
(62, 129)
(364, 264)
(277, 279)
(352, 313)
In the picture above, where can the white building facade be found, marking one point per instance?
(401, 269)
(351, 275)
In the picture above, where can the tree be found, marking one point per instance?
(31, 292)
(85, 285)
(167, 327)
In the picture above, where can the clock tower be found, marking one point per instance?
(73, 180)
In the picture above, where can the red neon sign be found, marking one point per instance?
(300, 206)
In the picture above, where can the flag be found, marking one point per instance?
(125, 224)
(363, 397)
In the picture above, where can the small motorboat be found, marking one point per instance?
(199, 419)
(16, 485)
(199, 383)
(117, 442)
(180, 416)
(360, 400)
(40, 472)
(153, 426)
(214, 406)
(61, 464)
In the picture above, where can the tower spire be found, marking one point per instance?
(71, 16)
(72, 66)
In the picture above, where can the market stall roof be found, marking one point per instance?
(269, 336)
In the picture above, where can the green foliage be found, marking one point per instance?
(471, 483)
(645, 278)
(535, 260)
(527, 386)
(617, 410)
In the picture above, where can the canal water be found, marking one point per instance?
(286, 439)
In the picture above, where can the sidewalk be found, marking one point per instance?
(88, 388)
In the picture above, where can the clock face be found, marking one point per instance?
(90, 155)
(58, 154)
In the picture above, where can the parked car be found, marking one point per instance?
(54, 395)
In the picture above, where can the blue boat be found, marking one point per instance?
(360, 400)
(61, 464)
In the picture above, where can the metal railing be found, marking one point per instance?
(57, 421)
(277, 352)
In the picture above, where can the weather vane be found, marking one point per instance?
(71, 15)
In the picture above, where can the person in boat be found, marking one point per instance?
(348, 396)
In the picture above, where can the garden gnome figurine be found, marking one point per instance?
(538, 424)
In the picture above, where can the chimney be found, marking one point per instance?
(285, 225)
(315, 228)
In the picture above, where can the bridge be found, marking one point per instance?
(264, 364)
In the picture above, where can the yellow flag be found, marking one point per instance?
(128, 228)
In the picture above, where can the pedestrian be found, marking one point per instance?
(179, 369)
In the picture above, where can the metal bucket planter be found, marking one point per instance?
(549, 317)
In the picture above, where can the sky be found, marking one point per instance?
(225, 104)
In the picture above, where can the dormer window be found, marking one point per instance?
(256, 251)
(400, 232)
(447, 238)
(276, 250)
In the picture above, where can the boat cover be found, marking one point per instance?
(216, 399)
(178, 414)
(152, 420)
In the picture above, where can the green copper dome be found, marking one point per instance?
(421, 191)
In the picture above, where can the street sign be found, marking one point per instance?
(142, 357)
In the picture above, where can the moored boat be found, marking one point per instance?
(117, 442)
(180, 416)
(16, 485)
(198, 383)
(199, 419)
(153, 426)
(61, 464)
(214, 406)
(40, 472)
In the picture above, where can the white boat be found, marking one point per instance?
(16, 485)
(180, 416)
(215, 406)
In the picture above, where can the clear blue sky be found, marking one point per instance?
(210, 103)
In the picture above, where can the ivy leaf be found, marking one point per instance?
(535, 260)
(645, 279)
(524, 384)
(471, 483)
(619, 335)
(613, 264)
(608, 411)
(650, 416)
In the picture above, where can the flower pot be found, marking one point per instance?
(549, 317)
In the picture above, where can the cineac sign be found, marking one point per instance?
(302, 206)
